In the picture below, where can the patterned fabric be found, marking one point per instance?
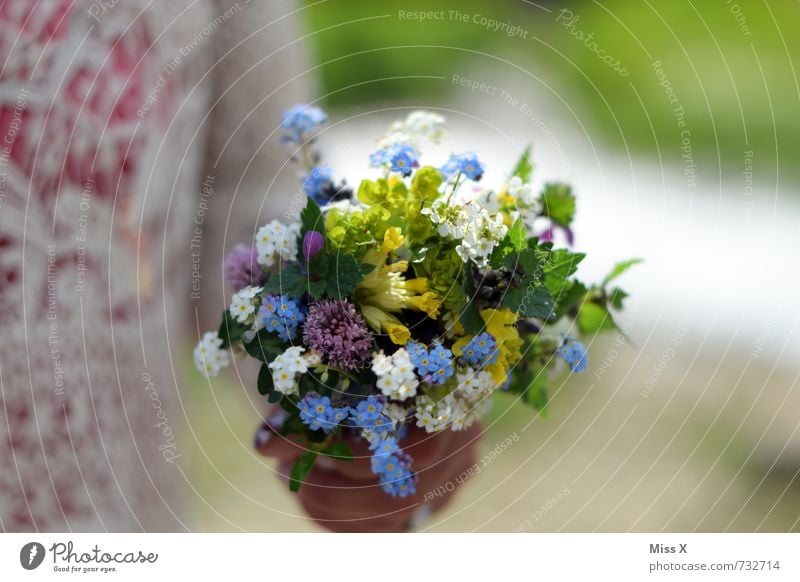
(103, 116)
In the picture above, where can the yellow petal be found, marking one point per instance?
(418, 285)
(398, 333)
(392, 239)
(427, 302)
(498, 372)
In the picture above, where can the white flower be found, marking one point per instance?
(276, 238)
(286, 367)
(396, 378)
(209, 357)
(480, 238)
(452, 220)
(466, 412)
(396, 413)
(461, 415)
(416, 126)
(426, 124)
(434, 416)
(475, 384)
(520, 191)
(381, 364)
(243, 304)
(426, 420)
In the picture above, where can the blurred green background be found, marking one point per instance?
(729, 64)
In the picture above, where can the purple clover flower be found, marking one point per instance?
(241, 268)
(337, 331)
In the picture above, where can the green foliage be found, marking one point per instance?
(425, 184)
(265, 384)
(339, 451)
(527, 295)
(524, 167)
(311, 219)
(557, 266)
(373, 191)
(301, 468)
(289, 280)
(335, 275)
(535, 393)
(619, 269)
(230, 330)
(571, 298)
(265, 346)
(515, 241)
(470, 315)
(354, 232)
(558, 203)
(443, 268)
(532, 302)
(594, 318)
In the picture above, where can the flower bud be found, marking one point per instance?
(313, 242)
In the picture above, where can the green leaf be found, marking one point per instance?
(514, 241)
(617, 297)
(526, 260)
(300, 470)
(308, 383)
(370, 192)
(230, 330)
(538, 303)
(425, 185)
(594, 318)
(516, 236)
(619, 269)
(311, 219)
(339, 451)
(265, 385)
(524, 167)
(471, 319)
(558, 267)
(274, 397)
(288, 280)
(470, 315)
(264, 346)
(289, 406)
(571, 298)
(558, 203)
(344, 275)
(536, 393)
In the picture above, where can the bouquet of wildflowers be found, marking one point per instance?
(409, 300)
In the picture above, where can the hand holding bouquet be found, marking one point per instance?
(403, 306)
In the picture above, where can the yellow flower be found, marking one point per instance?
(398, 333)
(500, 323)
(506, 199)
(392, 239)
(427, 302)
(386, 289)
(381, 321)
